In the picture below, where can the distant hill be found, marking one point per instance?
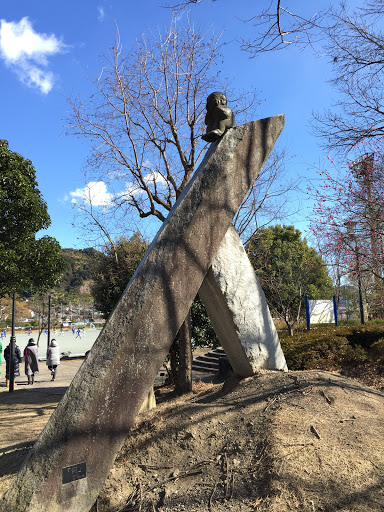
(79, 274)
(73, 288)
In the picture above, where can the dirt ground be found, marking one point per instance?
(276, 442)
(307, 441)
(24, 413)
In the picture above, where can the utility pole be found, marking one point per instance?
(12, 344)
(49, 321)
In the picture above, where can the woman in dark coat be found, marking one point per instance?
(18, 358)
(31, 360)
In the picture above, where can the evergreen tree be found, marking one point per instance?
(26, 263)
(287, 269)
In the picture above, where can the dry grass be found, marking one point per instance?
(201, 387)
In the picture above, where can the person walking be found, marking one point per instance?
(53, 358)
(17, 359)
(31, 359)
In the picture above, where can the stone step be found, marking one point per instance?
(204, 367)
(208, 359)
(208, 362)
(217, 352)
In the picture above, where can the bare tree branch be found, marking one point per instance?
(267, 200)
(145, 120)
(276, 26)
(356, 48)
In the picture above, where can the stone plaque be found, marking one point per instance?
(75, 472)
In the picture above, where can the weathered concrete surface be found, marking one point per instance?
(149, 401)
(238, 311)
(95, 415)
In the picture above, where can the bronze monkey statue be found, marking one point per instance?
(219, 117)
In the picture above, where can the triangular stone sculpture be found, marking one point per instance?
(71, 458)
(238, 311)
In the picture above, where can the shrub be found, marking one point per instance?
(330, 348)
(376, 351)
(353, 356)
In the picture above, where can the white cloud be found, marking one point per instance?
(26, 52)
(95, 193)
(101, 13)
(154, 176)
(132, 189)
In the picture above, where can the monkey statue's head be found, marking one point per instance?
(215, 99)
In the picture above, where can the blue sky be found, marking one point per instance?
(48, 49)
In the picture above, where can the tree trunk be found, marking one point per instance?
(184, 374)
(173, 364)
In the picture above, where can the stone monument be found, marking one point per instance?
(71, 458)
(238, 311)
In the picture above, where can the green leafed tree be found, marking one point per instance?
(26, 263)
(114, 269)
(287, 269)
(203, 333)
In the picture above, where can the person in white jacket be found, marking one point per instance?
(53, 358)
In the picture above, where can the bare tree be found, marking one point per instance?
(267, 200)
(144, 124)
(276, 26)
(146, 118)
(355, 46)
(90, 217)
(348, 224)
(145, 121)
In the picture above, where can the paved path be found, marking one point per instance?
(69, 344)
(65, 373)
